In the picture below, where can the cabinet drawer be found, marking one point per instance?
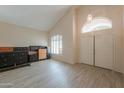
(3, 64)
(23, 54)
(21, 62)
(6, 64)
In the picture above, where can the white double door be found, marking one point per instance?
(97, 48)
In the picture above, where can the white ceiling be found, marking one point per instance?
(42, 17)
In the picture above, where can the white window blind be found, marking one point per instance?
(56, 44)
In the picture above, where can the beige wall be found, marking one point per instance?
(65, 28)
(12, 35)
(114, 13)
(123, 52)
(123, 41)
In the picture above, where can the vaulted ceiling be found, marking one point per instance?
(41, 17)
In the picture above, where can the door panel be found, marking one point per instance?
(104, 51)
(86, 50)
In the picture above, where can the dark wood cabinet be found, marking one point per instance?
(15, 58)
(6, 60)
(33, 57)
(22, 58)
(37, 53)
(11, 57)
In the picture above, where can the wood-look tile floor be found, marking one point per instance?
(54, 74)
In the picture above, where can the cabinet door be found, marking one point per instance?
(104, 51)
(86, 50)
(6, 60)
(22, 58)
(42, 53)
(2, 60)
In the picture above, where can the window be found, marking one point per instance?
(56, 44)
(95, 24)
